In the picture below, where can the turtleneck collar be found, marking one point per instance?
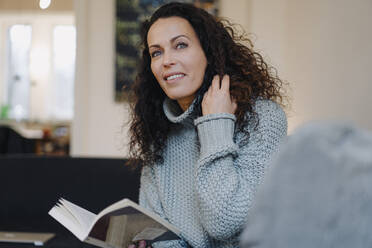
(175, 114)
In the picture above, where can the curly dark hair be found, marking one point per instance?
(226, 52)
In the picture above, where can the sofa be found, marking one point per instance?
(31, 185)
(12, 142)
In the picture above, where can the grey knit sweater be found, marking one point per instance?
(206, 184)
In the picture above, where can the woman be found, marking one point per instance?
(205, 124)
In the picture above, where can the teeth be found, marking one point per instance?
(174, 76)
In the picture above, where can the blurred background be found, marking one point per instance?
(57, 67)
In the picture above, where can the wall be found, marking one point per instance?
(321, 47)
(329, 51)
(97, 125)
(33, 5)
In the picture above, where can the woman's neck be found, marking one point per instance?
(185, 102)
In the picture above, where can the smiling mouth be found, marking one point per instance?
(175, 76)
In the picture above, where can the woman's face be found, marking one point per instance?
(178, 61)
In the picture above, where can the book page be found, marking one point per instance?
(119, 227)
(63, 216)
(131, 207)
(84, 217)
(149, 233)
(116, 226)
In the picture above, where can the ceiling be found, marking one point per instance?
(33, 6)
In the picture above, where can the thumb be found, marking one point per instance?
(234, 105)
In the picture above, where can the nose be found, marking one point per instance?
(168, 59)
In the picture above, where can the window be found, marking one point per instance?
(38, 68)
(18, 80)
(64, 47)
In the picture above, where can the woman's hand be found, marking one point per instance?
(139, 244)
(217, 99)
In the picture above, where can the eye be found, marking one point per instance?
(181, 45)
(155, 54)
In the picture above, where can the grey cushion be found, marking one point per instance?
(317, 193)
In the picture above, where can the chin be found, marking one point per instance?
(172, 97)
(175, 96)
(181, 95)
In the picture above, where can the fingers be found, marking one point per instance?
(225, 84)
(234, 105)
(218, 99)
(215, 83)
(217, 87)
(142, 244)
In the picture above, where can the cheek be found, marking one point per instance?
(157, 74)
(155, 70)
(200, 67)
(201, 58)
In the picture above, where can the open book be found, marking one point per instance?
(117, 226)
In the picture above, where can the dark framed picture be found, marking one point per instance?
(129, 16)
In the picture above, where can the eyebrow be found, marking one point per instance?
(172, 40)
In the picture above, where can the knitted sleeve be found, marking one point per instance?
(148, 195)
(148, 198)
(227, 175)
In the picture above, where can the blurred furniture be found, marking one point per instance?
(55, 141)
(50, 138)
(317, 192)
(11, 142)
(31, 185)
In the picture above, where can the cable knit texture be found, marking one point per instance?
(208, 179)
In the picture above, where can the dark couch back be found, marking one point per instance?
(30, 186)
